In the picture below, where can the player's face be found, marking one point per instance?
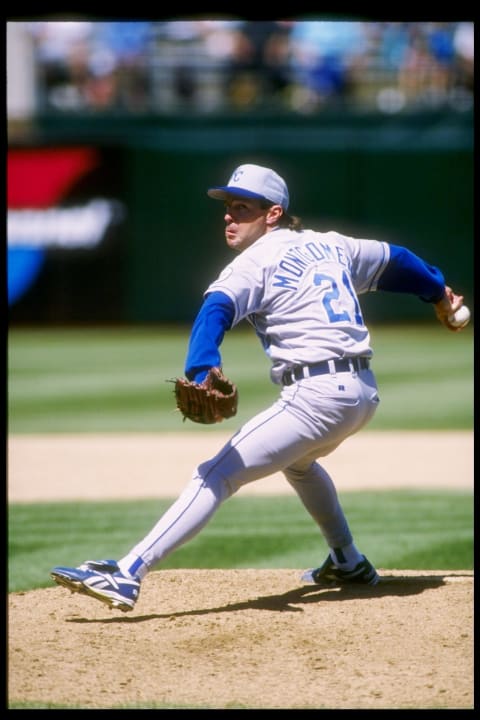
(246, 221)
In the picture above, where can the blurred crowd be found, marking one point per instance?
(206, 65)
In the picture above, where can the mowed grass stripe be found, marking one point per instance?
(119, 379)
(396, 529)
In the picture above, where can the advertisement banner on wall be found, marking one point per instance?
(66, 234)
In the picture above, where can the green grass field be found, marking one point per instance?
(110, 379)
(116, 379)
(398, 529)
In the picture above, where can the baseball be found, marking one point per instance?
(461, 317)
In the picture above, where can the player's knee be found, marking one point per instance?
(313, 473)
(211, 476)
(297, 474)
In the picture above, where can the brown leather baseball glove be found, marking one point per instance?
(208, 402)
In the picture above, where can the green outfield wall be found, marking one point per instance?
(404, 179)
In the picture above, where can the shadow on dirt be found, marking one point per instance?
(291, 601)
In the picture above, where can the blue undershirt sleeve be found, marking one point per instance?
(214, 318)
(407, 273)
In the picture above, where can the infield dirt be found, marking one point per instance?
(241, 638)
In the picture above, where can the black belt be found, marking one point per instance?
(299, 372)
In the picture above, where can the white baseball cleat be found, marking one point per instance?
(330, 574)
(102, 580)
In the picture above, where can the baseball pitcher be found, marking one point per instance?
(299, 289)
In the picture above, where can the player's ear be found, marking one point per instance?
(274, 214)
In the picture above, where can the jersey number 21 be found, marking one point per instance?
(332, 296)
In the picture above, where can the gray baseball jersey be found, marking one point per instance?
(299, 291)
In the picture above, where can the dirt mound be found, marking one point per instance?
(251, 639)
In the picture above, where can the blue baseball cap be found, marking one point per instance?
(254, 181)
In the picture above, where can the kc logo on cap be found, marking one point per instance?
(254, 181)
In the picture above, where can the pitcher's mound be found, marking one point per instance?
(248, 639)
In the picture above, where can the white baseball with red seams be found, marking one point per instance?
(461, 317)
